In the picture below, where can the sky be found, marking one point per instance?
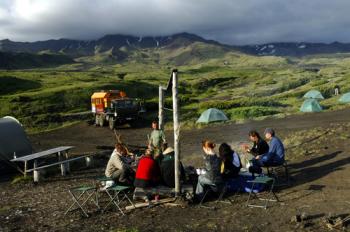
(227, 21)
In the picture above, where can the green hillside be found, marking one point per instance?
(243, 86)
(27, 60)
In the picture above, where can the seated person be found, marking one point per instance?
(212, 174)
(158, 157)
(260, 146)
(147, 173)
(167, 168)
(274, 157)
(230, 162)
(117, 169)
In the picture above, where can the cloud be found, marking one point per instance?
(228, 21)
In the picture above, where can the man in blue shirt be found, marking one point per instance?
(275, 155)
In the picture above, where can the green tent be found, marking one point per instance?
(212, 115)
(13, 139)
(310, 105)
(345, 98)
(314, 94)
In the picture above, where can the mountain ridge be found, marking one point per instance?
(123, 46)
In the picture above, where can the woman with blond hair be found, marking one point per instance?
(211, 175)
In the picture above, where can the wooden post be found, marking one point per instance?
(36, 174)
(161, 108)
(176, 133)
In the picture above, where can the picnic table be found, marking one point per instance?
(63, 160)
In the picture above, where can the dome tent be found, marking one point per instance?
(13, 139)
(314, 94)
(212, 115)
(345, 98)
(310, 105)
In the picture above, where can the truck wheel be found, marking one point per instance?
(101, 121)
(111, 123)
(96, 120)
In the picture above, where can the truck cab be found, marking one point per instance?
(114, 107)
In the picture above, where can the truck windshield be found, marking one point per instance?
(124, 103)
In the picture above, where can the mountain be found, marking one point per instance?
(77, 48)
(295, 49)
(182, 48)
(27, 60)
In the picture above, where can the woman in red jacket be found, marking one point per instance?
(147, 174)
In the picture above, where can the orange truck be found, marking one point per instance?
(114, 107)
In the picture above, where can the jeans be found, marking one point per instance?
(258, 163)
(202, 182)
(123, 176)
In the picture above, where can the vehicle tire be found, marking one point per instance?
(101, 121)
(111, 123)
(96, 120)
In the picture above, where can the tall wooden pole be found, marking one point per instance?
(161, 108)
(176, 133)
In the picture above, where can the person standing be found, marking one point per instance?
(336, 90)
(156, 139)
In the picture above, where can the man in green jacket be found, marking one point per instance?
(156, 139)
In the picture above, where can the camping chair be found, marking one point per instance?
(264, 180)
(275, 170)
(117, 194)
(81, 195)
(220, 190)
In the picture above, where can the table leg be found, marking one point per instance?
(25, 168)
(36, 173)
(63, 166)
(67, 164)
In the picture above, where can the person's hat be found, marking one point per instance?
(270, 131)
(168, 150)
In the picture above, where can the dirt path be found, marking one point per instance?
(320, 168)
(88, 138)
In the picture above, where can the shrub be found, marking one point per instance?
(251, 112)
(242, 102)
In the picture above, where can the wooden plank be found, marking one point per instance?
(57, 163)
(42, 153)
(153, 202)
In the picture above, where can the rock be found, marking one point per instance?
(303, 216)
(296, 219)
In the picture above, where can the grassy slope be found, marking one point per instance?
(26, 60)
(242, 86)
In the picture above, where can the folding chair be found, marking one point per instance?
(81, 195)
(265, 180)
(275, 170)
(220, 189)
(117, 195)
